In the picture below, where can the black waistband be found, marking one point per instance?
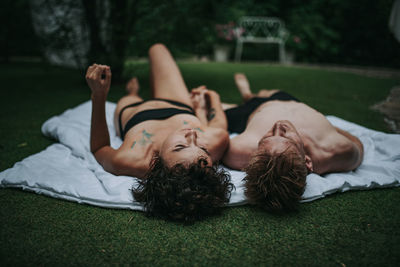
(237, 117)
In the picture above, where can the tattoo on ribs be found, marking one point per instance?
(133, 145)
(146, 138)
(211, 114)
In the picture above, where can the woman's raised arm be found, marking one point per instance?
(98, 78)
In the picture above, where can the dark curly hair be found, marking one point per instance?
(183, 193)
(276, 182)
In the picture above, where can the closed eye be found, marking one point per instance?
(178, 148)
(205, 150)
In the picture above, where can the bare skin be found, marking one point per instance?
(182, 138)
(278, 125)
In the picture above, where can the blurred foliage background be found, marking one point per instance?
(331, 31)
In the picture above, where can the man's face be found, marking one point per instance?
(184, 146)
(282, 136)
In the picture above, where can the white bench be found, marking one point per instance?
(261, 30)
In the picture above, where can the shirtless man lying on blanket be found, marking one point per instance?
(280, 141)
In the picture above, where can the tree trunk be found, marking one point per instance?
(121, 18)
(97, 51)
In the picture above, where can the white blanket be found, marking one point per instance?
(68, 170)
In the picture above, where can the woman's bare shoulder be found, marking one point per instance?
(133, 159)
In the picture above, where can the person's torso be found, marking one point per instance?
(145, 139)
(319, 136)
(308, 122)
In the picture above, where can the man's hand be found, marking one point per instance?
(98, 78)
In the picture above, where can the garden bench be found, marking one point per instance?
(267, 30)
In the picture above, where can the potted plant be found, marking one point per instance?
(226, 34)
(292, 45)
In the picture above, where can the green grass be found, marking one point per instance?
(352, 229)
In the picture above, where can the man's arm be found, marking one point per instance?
(349, 153)
(358, 145)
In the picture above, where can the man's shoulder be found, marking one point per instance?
(337, 142)
(239, 152)
(341, 153)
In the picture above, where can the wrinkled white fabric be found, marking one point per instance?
(68, 170)
(394, 20)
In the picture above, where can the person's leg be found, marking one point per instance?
(132, 88)
(244, 88)
(165, 78)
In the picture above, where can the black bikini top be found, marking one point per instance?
(152, 114)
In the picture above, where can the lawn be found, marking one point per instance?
(356, 228)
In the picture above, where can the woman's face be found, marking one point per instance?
(185, 146)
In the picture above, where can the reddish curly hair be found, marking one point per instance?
(276, 182)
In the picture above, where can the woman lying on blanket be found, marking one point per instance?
(168, 141)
